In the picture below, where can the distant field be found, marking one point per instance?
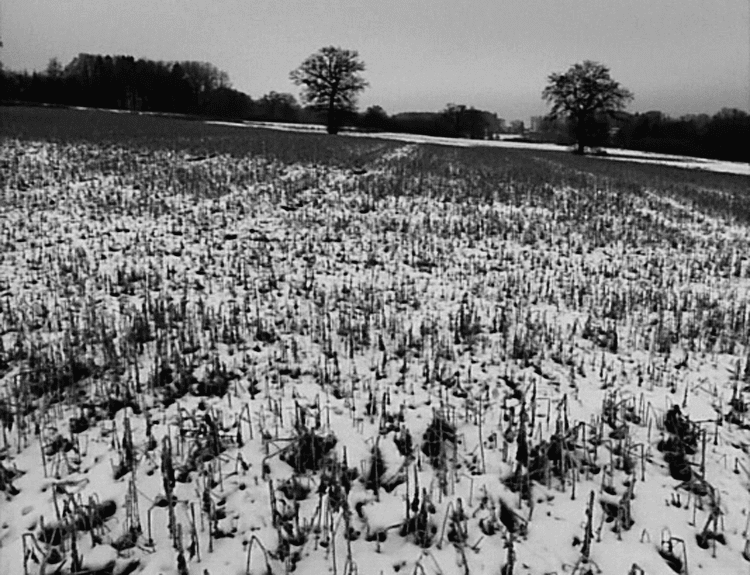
(196, 137)
(156, 132)
(253, 352)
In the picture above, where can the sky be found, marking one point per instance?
(677, 56)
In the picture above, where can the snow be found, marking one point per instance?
(329, 276)
(100, 557)
(687, 162)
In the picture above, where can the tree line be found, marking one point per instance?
(724, 135)
(587, 104)
(200, 88)
(122, 82)
(454, 121)
(588, 109)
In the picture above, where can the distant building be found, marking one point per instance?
(492, 124)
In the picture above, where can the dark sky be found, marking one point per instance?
(678, 56)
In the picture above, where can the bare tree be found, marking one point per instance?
(585, 95)
(331, 81)
(278, 107)
(54, 68)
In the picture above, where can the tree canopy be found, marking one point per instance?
(122, 82)
(587, 105)
(585, 95)
(331, 81)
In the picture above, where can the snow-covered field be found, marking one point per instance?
(510, 141)
(425, 363)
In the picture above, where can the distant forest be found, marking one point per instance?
(201, 89)
(723, 136)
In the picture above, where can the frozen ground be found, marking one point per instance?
(323, 306)
(687, 162)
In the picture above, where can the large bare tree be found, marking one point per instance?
(331, 81)
(585, 95)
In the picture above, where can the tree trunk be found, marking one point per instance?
(332, 126)
(580, 134)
